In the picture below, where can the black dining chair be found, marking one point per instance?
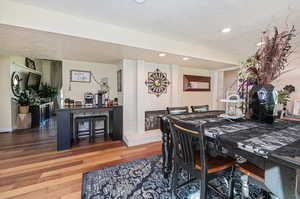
(199, 109)
(198, 164)
(177, 110)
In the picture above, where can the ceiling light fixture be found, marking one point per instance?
(226, 30)
(185, 58)
(162, 54)
(140, 1)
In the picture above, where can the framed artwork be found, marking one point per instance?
(119, 80)
(80, 76)
(196, 83)
(157, 83)
(30, 63)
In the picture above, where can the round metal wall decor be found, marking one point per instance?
(157, 83)
(15, 84)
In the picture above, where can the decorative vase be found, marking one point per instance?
(262, 103)
(24, 109)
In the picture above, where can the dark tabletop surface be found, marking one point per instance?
(279, 141)
(68, 108)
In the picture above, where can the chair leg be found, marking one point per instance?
(174, 182)
(231, 183)
(203, 186)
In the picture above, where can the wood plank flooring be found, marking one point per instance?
(30, 166)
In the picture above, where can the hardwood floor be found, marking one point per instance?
(30, 166)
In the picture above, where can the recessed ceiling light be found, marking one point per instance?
(140, 1)
(260, 43)
(162, 54)
(226, 30)
(185, 58)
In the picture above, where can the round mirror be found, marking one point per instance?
(15, 84)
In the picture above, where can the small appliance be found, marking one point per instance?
(88, 99)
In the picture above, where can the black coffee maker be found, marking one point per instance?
(101, 98)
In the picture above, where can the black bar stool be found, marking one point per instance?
(99, 131)
(83, 133)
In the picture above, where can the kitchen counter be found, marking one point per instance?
(65, 120)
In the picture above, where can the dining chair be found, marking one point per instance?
(199, 164)
(199, 109)
(177, 110)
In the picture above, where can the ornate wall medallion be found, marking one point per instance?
(157, 83)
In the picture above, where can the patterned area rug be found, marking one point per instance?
(141, 179)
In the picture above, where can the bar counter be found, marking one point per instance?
(65, 121)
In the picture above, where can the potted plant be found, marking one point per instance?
(258, 72)
(283, 98)
(47, 93)
(24, 102)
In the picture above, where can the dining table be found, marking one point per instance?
(273, 147)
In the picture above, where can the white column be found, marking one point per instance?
(175, 86)
(129, 99)
(140, 97)
(217, 89)
(5, 98)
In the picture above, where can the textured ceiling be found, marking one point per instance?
(197, 21)
(45, 45)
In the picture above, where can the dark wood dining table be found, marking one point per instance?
(273, 147)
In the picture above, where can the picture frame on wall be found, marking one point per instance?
(196, 83)
(30, 63)
(80, 76)
(119, 80)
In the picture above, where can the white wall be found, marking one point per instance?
(5, 108)
(137, 100)
(98, 69)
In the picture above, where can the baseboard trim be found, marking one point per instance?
(142, 138)
(6, 130)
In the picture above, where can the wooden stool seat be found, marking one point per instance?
(214, 164)
(253, 171)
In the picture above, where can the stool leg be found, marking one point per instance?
(94, 131)
(105, 128)
(91, 130)
(76, 133)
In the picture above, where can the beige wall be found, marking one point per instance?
(194, 98)
(292, 77)
(98, 69)
(46, 70)
(5, 108)
(230, 81)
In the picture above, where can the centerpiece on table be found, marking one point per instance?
(258, 72)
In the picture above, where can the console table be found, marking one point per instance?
(65, 122)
